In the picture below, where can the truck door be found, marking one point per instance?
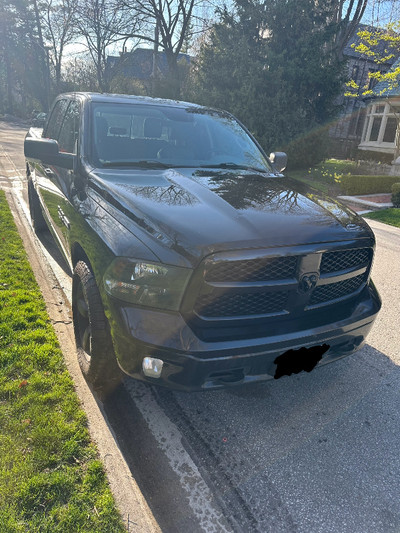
(55, 183)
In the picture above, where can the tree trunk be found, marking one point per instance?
(9, 79)
(44, 58)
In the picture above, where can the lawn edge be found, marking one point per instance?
(128, 497)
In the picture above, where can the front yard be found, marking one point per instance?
(326, 176)
(387, 216)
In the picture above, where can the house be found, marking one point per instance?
(380, 134)
(348, 130)
(140, 64)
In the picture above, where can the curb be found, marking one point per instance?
(363, 201)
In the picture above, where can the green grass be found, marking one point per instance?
(325, 176)
(50, 477)
(387, 216)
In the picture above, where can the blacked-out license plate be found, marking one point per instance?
(295, 361)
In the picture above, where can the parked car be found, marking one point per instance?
(196, 262)
(39, 120)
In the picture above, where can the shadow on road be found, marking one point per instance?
(310, 452)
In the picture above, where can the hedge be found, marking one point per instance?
(351, 184)
(396, 195)
(307, 150)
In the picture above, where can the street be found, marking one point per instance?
(313, 453)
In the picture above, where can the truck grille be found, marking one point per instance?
(335, 261)
(231, 304)
(270, 286)
(326, 293)
(266, 269)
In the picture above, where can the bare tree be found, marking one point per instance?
(57, 20)
(79, 73)
(168, 25)
(102, 23)
(347, 16)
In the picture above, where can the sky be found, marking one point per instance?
(378, 13)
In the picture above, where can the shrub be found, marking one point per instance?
(308, 150)
(396, 194)
(378, 157)
(352, 184)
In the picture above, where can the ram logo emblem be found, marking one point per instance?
(308, 282)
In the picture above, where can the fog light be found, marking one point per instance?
(152, 367)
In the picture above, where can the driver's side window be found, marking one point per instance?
(70, 129)
(56, 119)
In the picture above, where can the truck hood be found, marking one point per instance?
(200, 211)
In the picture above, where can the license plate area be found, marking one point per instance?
(296, 361)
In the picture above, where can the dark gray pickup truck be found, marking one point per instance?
(196, 263)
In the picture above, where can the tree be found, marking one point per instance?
(80, 74)
(379, 45)
(167, 24)
(274, 65)
(57, 21)
(23, 69)
(345, 17)
(103, 23)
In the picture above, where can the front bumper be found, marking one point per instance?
(191, 364)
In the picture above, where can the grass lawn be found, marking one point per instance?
(51, 479)
(324, 176)
(387, 216)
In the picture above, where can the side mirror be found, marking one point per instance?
(47, 151)
(279, 160)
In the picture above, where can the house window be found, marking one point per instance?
(380, 128)
(372, 81)
(375, 128)
(390, 131)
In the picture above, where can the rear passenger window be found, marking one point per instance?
(56, 119)
(69, 129)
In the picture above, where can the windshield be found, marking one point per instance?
(141, 135)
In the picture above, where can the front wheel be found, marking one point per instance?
(93, 340)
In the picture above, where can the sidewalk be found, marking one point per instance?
(368, 202)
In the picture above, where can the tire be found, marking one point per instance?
(92, 334)
(38, 221)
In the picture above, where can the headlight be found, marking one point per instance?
(148, 284)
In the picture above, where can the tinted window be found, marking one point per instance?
(55, 120)
(70, 128)
(171, 135)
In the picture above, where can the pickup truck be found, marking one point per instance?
(196, 263)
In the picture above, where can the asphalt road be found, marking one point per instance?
(312, 453)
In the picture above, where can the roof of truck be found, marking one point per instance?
(124, 98)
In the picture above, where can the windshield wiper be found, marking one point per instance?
(138, 164)
(235, 166)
